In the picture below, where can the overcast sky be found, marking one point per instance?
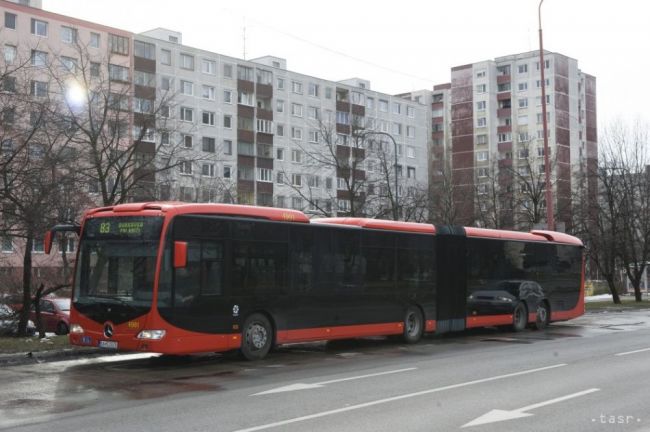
(406, 45)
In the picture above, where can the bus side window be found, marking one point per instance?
(212, 268)
(187, 280)
(302, 245)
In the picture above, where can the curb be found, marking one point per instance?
(50, 356)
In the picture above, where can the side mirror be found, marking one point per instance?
(47, 242)
(180, 254)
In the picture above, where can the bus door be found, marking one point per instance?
(451, 258)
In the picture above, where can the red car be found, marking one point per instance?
(55, 314)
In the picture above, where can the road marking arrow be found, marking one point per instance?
(497, 415)
(304, 386)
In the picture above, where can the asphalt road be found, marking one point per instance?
(589, 374)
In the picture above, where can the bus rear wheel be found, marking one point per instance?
(413, 325)
(543, 316)
(257, 337)
(519, 317)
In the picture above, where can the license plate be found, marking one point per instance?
(108, 344)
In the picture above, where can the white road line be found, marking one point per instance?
(304, 386)
(632, 352)
(396, 398)
(497, 415)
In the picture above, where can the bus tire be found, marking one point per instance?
(519, 317)
(543, 315)
(413, 325)
(257, 337)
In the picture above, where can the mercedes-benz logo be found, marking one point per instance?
(108, 330)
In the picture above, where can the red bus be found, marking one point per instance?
(179, 278)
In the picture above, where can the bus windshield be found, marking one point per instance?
(117, 260)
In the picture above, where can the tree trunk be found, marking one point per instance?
(612, 289)
(27, 286)
(37, 311)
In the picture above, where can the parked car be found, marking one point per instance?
(9, 322)
(55, 314)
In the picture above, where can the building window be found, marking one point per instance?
(38, 246)
(187, 62)
(383, 105)
(410, 172)
(39, 28)
(370, 103)
(10, 52)
(522, 69)
(7, 245)
(166, 83)
(313, 113)
(187, 88)
(397, 129)
(207, 169)
(410, 111)
(480, 105)
(504, 137)
(94, 39)
(185, 167)
(522, 120)
(68, 35)
(166, 57)
(118, 44)
(296, 110)
(227, 70)
(522, 153)
(481, 88)
(144, 50)
(328, 92)
(227, 121)
(279, 105)
(481, 156)
(118, 73)
(313, 136)
(10, 21)
(39, 58)
(244, 98)
(187, 114)
(296, 180)
(227, 96)
(480, 74)
(313, 90)
(482, 172)
(296, 87)
(245, 73)
(410, 152)
(523, 103)
(227, 173)
(164, 138)
(481, 122)
(39, 88)
(296, 133)
(208, 66)
(227, 147)
(397, 108)
(265, 126)
(280, 83)
(144, 79)
(188, 141)
(207, 118)
(265, 175)
(343, 117)
(279, 130)
(523, 86)
(207, 92)
(279, 154)
(296, 156)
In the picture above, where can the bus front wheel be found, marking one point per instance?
(543, 315)
(413, 325)
(519, 317)
(257, 337)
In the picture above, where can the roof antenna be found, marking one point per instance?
(244, 38)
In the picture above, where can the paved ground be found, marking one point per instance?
(588, 374)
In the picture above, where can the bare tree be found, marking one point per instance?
(494, 197)
(443, 208)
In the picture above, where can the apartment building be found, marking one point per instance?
(488, 123)
(35, 43)
(258, 133)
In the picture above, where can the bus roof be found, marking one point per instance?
(172, 207)
(288, 215)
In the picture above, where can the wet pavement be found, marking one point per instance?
(44, 391)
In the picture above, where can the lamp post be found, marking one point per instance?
(550, 222)
(396, 206)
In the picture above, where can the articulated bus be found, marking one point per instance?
(177, 278)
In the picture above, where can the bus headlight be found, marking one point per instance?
(76, 329)
(151, 334)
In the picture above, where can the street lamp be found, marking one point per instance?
(550, 222)
(396, 206)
